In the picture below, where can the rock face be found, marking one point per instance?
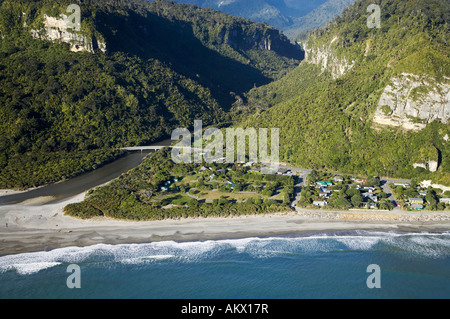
(432, 165)
(324, 57)
(411, 102)
(57, 30)
(271, 40)
(428, 183)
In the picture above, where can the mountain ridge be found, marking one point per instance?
(328, 123)
(64, 113)
(294, 17)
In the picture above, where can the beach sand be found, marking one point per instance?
(30, 226)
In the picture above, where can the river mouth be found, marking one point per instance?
(61, 191)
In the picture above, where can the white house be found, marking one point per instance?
(338, 179)
(319, 203)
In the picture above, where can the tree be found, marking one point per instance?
(223, 200)
(340, 202)
(356, 200)
(286, 198)
(352, 192)
(375, 181)
(432, 199)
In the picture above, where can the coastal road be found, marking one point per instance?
(297, 189)
(385, 186)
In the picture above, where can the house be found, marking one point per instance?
(221, 170)
(319, 203)
(175, 180)
(282, 171)
(368, 188)
(405, 185)
(369, 205)
(338, 179)
(360, 180)
(324, 195)
(164, 189)
(445, 200)
(418, 201)
(212, 176)
(228, 183)
(416, 207)
(423, 193)
(326, 184)
(370, 196)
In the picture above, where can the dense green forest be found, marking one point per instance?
(130, 196)
(63, 113)
(326, 122)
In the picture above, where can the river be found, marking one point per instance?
(66, 189)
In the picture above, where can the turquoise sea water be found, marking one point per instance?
(316, 265)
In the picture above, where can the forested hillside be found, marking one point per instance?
(163, 65)
(325, 108)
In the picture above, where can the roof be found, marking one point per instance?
(416, 199)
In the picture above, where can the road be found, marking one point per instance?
(385, 186)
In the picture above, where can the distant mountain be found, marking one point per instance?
(316, 19)
(367, 101)
(291, 16)
(133, 72)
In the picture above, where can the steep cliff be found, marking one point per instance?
(59, 29)
(324, 57)
(413, 101)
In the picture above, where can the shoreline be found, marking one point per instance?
(44, 227)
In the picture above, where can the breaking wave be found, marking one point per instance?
(429, 245)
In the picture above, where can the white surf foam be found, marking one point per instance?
(428, 244)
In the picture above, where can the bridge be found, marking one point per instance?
(155, 148)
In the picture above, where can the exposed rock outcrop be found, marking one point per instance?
(411, 102)
(327, 60)
(432, 166)
(271, 40)
(428, 183)
(58, 30)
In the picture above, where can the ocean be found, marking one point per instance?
(314, 265)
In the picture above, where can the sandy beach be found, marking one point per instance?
(31, 226)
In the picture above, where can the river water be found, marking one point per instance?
(77, 185)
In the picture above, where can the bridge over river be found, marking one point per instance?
(155, 148)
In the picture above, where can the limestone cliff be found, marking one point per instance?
(327, 60)
(243, 38)
(412, 101)
(57, 29)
